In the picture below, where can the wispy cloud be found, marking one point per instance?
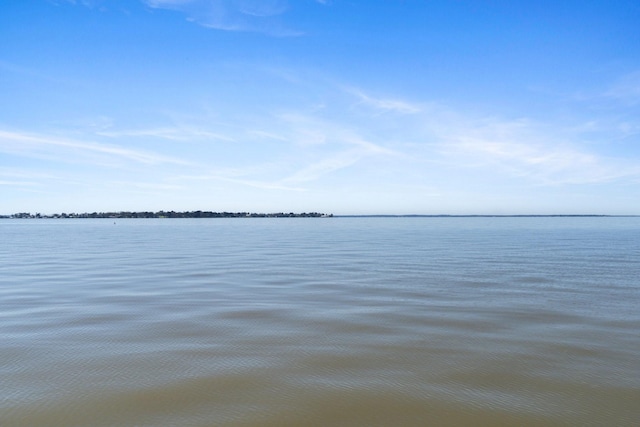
(18, 183)
(233, 178)
(170, 133)
(266, 135)
(309, 130)
(144, 186)
(36, 74)
(18, 173)
(626, 89)
(526, 149)
(384, 104)
(328, 146)
(325, 166)
(232, 15)
(260, 16)
(71, 150)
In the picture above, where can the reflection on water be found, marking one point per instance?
(315, 322)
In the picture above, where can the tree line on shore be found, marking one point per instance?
(170, 214)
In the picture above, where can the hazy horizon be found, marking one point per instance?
(274, 214)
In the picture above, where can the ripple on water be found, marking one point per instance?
(345, 322)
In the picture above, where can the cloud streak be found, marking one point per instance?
(232, 15)
(626, 89)
(169, 133)
(70, 150)
(325, 166)
(384, 104)
(524, 149)
(233, 179)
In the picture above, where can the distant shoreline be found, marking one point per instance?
(166, 214)
(210, 214)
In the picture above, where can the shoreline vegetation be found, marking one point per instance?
(210, 214)
(169, 214)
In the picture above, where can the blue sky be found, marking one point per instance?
(336, 106)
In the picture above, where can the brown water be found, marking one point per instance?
(316, 322)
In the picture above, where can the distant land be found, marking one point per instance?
(210, 214)
(169, 214)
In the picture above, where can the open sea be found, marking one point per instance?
(320, 322)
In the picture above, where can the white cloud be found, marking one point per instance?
(71, 150)
(366, 146)
(148, 185)
(626, 89)
(266, 135)
(324, 146)
(170, 133)
(309, 130)
(260, 16)
(262, 7)
(232, 15)
(18, 183)
(384, 104)
(325, 166)
(528, 150)
(234, 177)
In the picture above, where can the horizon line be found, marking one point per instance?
(97, 215)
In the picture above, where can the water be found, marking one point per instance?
(316, 322)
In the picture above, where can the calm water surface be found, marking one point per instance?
(320, 322)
